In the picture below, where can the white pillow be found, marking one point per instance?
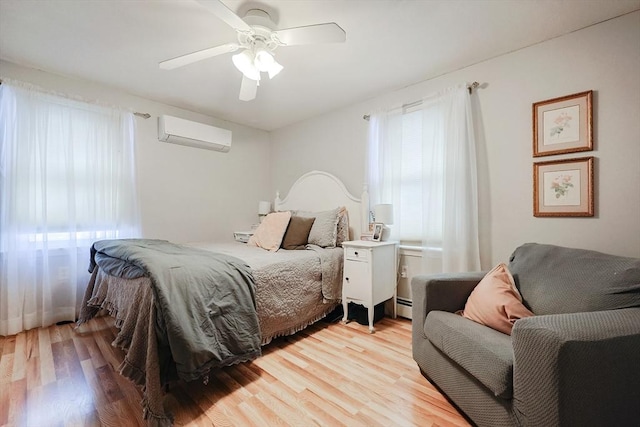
(324, 230)
(270, 232)
(342, 230)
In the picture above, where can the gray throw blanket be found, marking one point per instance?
(205, 302)
(203, 308)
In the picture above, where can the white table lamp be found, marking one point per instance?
(383, 213)
(264, 207)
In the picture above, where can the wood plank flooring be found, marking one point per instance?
(326, 375)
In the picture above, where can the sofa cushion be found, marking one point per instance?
(483, 352)
(495, 301)
(555, 280)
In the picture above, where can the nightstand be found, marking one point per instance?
(369, 275)
(242, 236)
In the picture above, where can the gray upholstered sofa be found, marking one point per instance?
(575, 363)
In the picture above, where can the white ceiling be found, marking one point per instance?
(390, 44)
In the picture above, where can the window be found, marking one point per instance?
(422, 161)
(410, 182)
(68, 185)
(402, 169)
(67, 179)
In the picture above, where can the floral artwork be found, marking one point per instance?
(563, 187)
(561, 122)
(563, 125)
(561, 190)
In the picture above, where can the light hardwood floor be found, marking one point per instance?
(326, 375)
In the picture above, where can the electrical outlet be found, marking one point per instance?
(403, 271)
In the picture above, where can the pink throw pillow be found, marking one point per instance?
(270, 232)
(495, 302)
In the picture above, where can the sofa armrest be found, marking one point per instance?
(578, 369)
(444, 292)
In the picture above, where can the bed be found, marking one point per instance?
(274, 292)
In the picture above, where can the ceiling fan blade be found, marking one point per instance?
(312, 34)
(226, 14)
(190, 58)
(248, 89)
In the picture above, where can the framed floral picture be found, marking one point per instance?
(563, 125)
(563, 187)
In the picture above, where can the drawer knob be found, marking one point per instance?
(346, 278)
(356, 253)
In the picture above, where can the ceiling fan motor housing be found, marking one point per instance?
(260, 18)
(262, 35)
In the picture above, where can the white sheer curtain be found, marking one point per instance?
(67, 178)
(422, 159)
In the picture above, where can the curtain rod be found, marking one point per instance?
(135, 113)
(470, 88)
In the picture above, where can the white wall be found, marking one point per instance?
(604, 58)
(186, 194)
(189, 194)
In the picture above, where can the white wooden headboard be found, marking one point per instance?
(320, 191)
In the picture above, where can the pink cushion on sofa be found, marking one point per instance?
(495, 302)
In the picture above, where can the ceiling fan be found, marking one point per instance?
(258, 39)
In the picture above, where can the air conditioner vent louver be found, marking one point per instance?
(193, 134)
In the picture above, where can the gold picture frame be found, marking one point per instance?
(563, 188)
(563, 125)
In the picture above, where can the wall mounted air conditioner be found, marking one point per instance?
(192, 134)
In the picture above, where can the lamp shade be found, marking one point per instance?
(264, 207)
(383, 213)
(274, 69)
(264, 60)
(244, 62)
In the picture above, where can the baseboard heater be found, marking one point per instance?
(193, 134)
(403, 307)
(404, 302)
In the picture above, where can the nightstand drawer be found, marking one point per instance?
(357, 254)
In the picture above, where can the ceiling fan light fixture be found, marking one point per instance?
(274, 69)
(257, 37)
(264, 60)
(244, 62)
